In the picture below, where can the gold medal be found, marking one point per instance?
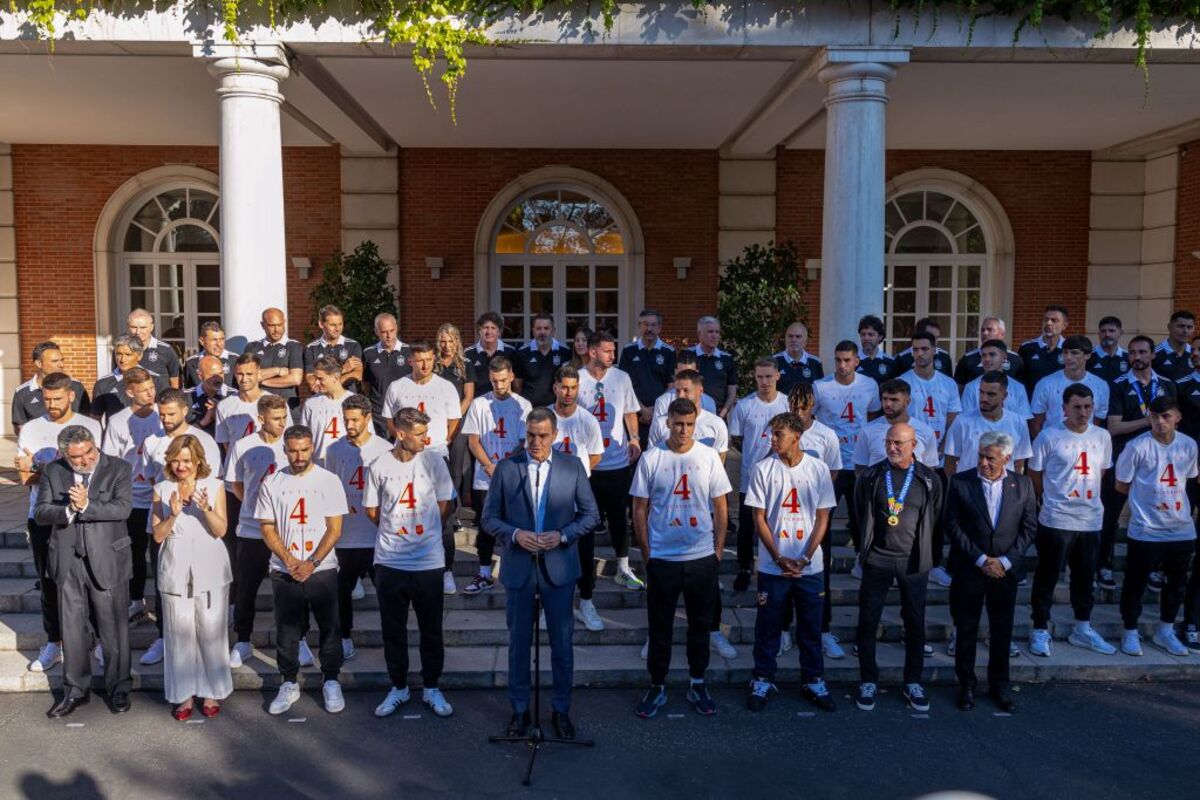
(893, 520)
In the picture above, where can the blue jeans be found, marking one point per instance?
(807, 596)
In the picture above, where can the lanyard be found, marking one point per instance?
(896, 504)
(1137, 388)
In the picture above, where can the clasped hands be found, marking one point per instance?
(536, 542)
(993, 568)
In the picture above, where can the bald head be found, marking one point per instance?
(274, 324)
(900, 443)
(210, 366)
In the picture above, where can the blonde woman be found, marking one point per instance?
(189, 521)
(450, 364)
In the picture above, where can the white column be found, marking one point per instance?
(253, 254)
(852, 254)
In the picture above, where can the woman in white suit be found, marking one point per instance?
(193, 576)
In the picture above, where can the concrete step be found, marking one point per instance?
(620, 666)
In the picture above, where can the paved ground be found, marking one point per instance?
(1094, 742)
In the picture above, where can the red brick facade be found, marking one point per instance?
(1187, 229)
(59, 193)
(1045, 195)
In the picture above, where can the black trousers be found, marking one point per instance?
(462, 469)
(696, 580)
(587, 565)
(872, 594)
(939, 533)
(397, 589)
(747, 536)
(1142, 558)
(253, 562)
(39, 543)
(1114, 504)
(1058, 548)
(139, 543)
(969, 593)
(80, 599)
(485, 544)
(233, 510)
(611, 488)
(843, 488)
(1191, 604)
(353, 563)
(293, 603)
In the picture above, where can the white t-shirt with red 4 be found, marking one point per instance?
(681, 488)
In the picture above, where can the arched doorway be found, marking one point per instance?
(561, 242)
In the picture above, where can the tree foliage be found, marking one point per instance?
(358, 285)
(758, 296)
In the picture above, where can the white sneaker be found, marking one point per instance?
(856, 571)
(395, 698)
(98, 654)
(358, 592)
(448, 584)
(48, 656)
(240, 654)
(1131, 643)
(1168, 641)
(437, 701)
(1039, 642)
(952, 643)
(334, 702)
(939, 576)
(289, 693)
(1090, 639)
(721, 646)
(588, 615)
(645, 653)
(348, 651)
(785, 642)
(830, 646)
(306, 656)
(152, 656)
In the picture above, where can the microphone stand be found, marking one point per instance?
(535, 738)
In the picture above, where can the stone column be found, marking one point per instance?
(852, 253)
(253, 254)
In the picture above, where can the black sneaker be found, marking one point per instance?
(759, 691)
(1191, 639)
(480, 583)
(742, 582)
(1105, 580)
(1156, 581)
(654, 699)
(916, 697)
(698, 696)
(866, 697)
(818, 694)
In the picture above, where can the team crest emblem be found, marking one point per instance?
(343, 354)
(883, 369)
(1124, 366)
(153, 355)
(1007, 366)
(720, 365)
(533, 359)
(658, 359)
(806, 372)
(1060, 358)
(556, 360)
(281, 352)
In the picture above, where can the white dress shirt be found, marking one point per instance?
(539, 479)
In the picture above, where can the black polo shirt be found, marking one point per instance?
(970, 367)
(380, 368)
(1040, 361)
(480, 361)
(1124, 402)
(284, 353)
(650, 369)
(719, 372)
(27, 401)
(1106, 366)
(536, 370)
(941, 362)
(108, 395)
(460, 378)
(1172, 365)
(160, 358)
(191, 369)
(879, 367)
(1187, 390)
(807, 369)
(341, 351)
(199, 408)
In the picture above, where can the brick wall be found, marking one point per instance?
(1187, 229)
(60, 192)
(444, 193)
(1045, 194)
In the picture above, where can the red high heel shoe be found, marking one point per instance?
(210, 711)
(182, 713)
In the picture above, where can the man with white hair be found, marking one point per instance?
(157, 356)
(971, 365)
(384, 363)
(716, 365)
(987, 553)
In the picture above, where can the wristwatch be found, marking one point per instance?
(316, 562)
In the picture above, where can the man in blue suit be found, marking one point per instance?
(539, 505)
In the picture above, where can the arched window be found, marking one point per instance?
(170, 262)
(937, 257)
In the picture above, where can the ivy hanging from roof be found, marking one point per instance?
(439, 31)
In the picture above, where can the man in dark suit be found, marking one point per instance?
(991, 520)
(85, 497)
(539, 505)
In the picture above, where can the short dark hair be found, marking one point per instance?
(995, 344)
(846, 346)
(600, 337)
(212, 326)
(686, 357)
(692, 375)
(895, 386)
(924, 323)
(56, 381)
(566, 371)
(923, 334)
(995, 376)
(329, 311)
(1110, 320)
(492, 317)
(1141, 337)
(248, 358)
(40, 349)
(766, 362)
(541, 315)
(328, 365)
(650, 312)
(171, 395)
(871, 322)
(1162, 404)
(270, 402)
(1059, 308)
(356, 402)
(1078, 342)
(789, 421)
(542, 414)
(681, 407)
(499, 364)
(136, 375)
(1077, 390)
(1182, 314)
(421, 346)
(406, 418)
(298, 432)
